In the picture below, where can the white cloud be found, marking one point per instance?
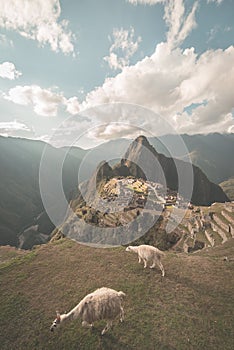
(146, 2)
(212, 33)
(37, 20)
(170, 80)
(8, 71)
(4, 41)
(73, 105)
(15, 128)
(179, 25)
(123, 48)
(114, 130)
(45, 102)
(217, 1)
(68, 133)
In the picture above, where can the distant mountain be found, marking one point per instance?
(140, 152)
(212, 153)
(20, 200)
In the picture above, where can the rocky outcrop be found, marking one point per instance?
(31, 237)
(143, 161)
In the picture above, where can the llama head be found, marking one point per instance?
(129, 248)
(56, 322)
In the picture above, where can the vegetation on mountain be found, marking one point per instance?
(20, 200)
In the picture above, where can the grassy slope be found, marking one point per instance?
(191, 308)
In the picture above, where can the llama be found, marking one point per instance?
(103, 304)
(148, 253)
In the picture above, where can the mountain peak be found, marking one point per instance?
(142, 140)
(139, 148)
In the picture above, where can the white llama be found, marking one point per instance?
(103, 304)
(147, 254)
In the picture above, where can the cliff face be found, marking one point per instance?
(143, 161)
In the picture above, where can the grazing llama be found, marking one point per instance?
(103, 304)
(147, 254)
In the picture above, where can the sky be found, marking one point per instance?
(82, 72)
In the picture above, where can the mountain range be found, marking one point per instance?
(21, 205)
(212, 153)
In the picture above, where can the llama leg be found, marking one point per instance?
(139, 259)
(161, 268)
(107, 327)
(145, 263)
(121, 314)
(152, 266)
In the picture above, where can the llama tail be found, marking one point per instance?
(121, 294)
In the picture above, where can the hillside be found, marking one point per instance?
(228, 187)
(212, 153)
(206, 226)
(191, 308)
(20, 200)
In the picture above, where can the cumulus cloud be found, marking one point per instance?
(171, 80)
(8, 71)
(73, 105)
(15, 128)
(45, 102)
(123, 48)
(38, 20)
(114, 130)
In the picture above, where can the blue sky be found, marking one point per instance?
(88, 71)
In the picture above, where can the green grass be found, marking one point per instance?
(14, 260)
(191, 308)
